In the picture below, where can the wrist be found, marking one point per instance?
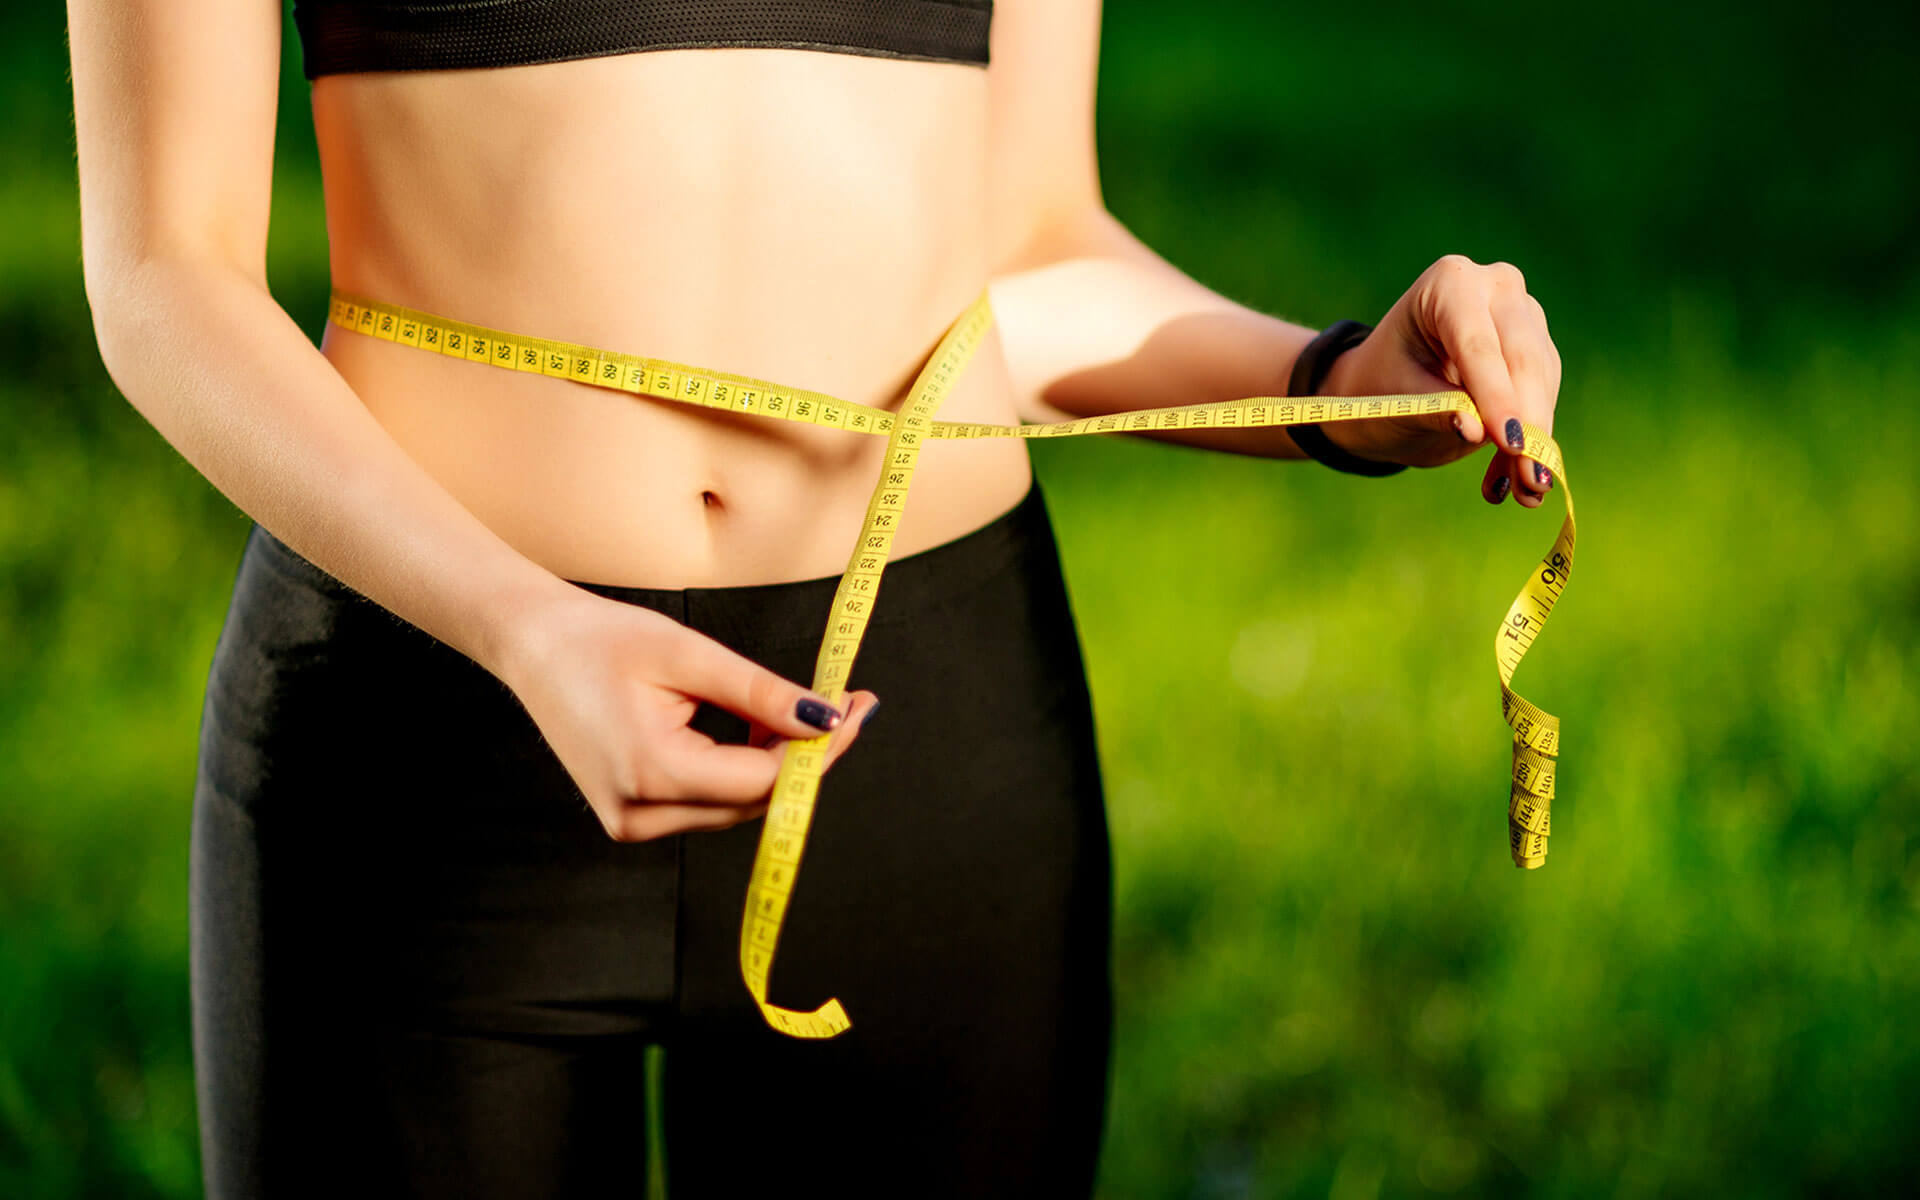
(1341, 375)
(1350, 437)
(522, 625)
(1314, 374)
(1340, 381)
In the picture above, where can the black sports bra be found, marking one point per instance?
(339, 36)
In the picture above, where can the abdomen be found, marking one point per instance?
(817, 219)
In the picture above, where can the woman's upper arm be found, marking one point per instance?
(1044, 60)
(174, 104)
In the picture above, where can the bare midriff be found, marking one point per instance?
(811, 218)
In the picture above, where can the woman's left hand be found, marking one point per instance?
(1460, 326)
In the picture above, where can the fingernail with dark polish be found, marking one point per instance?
(1516, 437)
(1500, 485)
(869, 716)
(816, 714)
(1459, 427)
(1540, 475)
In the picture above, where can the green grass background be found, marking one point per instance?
(1331, 980)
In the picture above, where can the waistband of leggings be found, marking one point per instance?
(795, 611)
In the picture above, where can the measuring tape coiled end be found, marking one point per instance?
(1536, 733)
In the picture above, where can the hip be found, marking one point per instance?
(316, 692)
(396, 803)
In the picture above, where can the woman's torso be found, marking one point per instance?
(814, 218)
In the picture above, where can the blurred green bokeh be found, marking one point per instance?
(1331, 980)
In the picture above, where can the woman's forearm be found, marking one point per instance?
(207, 355)
(1093, 321)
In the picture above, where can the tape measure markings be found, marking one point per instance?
(776, 864)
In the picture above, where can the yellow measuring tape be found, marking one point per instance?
(783, 839)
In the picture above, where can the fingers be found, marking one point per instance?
(689, 766)
(859, 709)
(702, 667)
(1527, 491)
(1470, 428)
(860, 706)
(1460, 292)
(1533, 364)
(694, 783)
(1472, 343)
(644, 822)
(1497, 482)
(1495, 336)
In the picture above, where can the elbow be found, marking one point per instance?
(119, 284)
(134, 299)
(122, 303)
(112, 303)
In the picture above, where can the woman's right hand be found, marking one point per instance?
(612, 687)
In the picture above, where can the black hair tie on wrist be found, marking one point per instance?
(1309, 372)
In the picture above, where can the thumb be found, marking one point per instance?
(1415, 378)
(859, 705)
(1397, 361)
(1468, 425)
(705, 669)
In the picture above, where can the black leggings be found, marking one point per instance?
(420, 966)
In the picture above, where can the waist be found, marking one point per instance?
(762, 616)
(620, 489)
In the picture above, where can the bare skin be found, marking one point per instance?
(793, 224)
(817, 219)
